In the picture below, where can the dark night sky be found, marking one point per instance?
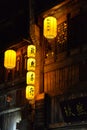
(14, 18)
(13, 21)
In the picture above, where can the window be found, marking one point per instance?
(59, 44)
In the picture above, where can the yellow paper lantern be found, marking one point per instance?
(31, 63)
(9, 59)
(30, 79)
(30, 92)
(50, 27)
(31, 51)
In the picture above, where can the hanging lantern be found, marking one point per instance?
(31, 51)
(30, 92)
(31, 63)
(30, 77)
(50, 27)
(10, 59)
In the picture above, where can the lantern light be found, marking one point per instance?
(30, 79)
(30, 92)
(31, 51)
(31, 63)
(10, 59)
(50, 27)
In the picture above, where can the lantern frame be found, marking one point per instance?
(31, 51)
(50, 27)
(30, 92)
(31, 64)
(10, 59)
(30, 78)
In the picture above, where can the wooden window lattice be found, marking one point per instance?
(60, 43)
(62, 33)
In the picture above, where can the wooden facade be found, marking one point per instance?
(64, 61)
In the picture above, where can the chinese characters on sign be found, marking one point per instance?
(31, 63)
(74, 109)
(30, 92)
(30, 75)
(30, 78)
(31, 51)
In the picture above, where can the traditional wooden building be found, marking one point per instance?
(60, 100)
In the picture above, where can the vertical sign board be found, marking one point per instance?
(74, 110)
